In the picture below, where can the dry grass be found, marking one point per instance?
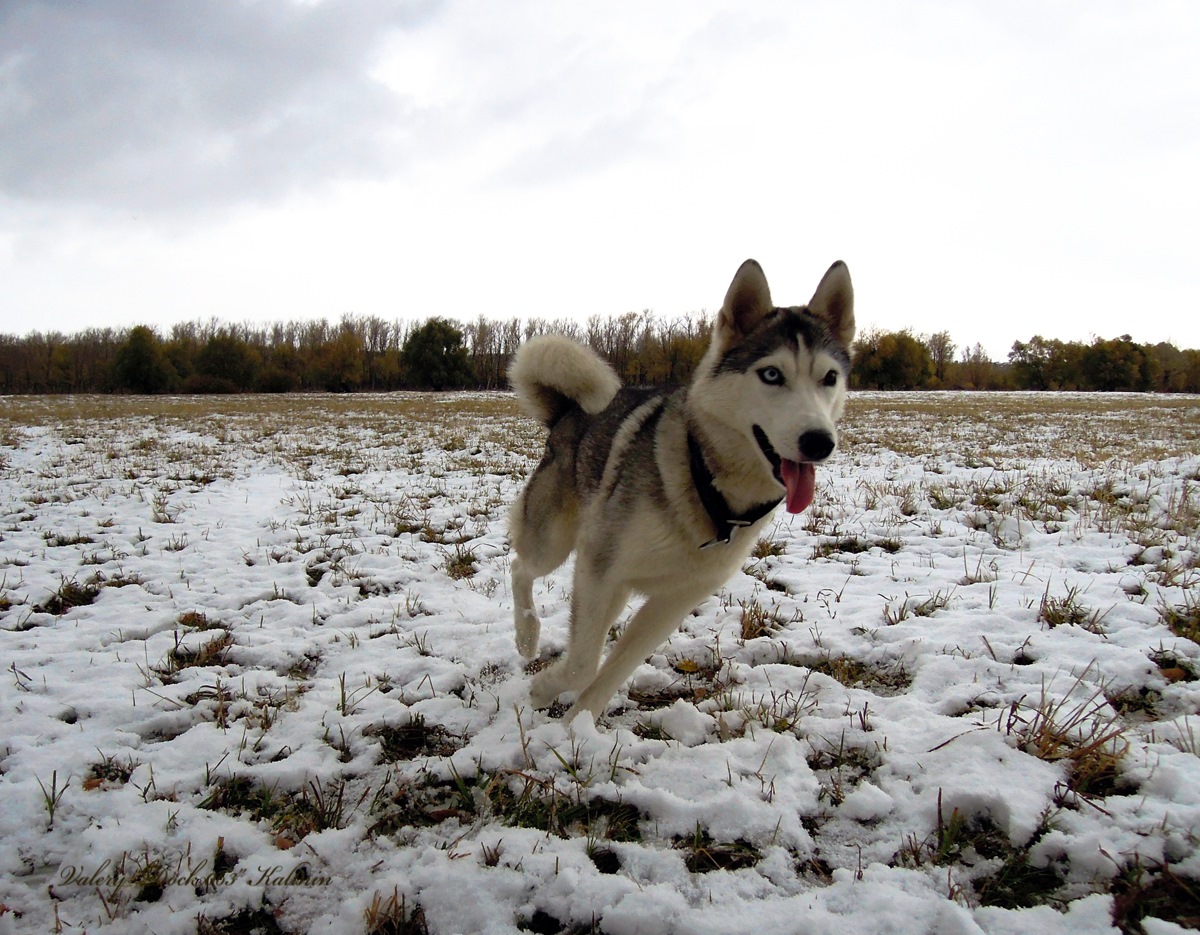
(211, 652)
(1183, 618)
(757, 620)
(1068, 610)
(393, 916)
(1090, 428)
(703, 854)
(1086, 734)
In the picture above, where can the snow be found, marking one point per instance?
(306, 546)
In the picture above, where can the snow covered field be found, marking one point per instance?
(258, 675)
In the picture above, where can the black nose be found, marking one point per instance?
(816, 446)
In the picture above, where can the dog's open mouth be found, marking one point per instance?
(799, 478)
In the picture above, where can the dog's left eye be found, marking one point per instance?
(831, 378)
(772, 376)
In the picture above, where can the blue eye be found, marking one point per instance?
(772, 376)
(831, 378)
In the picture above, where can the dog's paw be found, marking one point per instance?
(545, 688)
(529, 630)
(587, 701)
(576, 710)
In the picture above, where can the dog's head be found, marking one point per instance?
(781, 373)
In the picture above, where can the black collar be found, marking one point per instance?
(723, 519)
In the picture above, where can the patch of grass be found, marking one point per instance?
(845, 669)
(953, 839)
(318, 808)
(757, 621)
(944, 496)
(979, 520)
(70, 594)
(840, 767)
(1157, 892)
(161, 510)
(778, 711)
(461, 563)
(52, 797)
(613, 821)
(1069, 611)
(416, 738)
(121, 579)
(890, 678)
(705, 855)
(393, 916)
(991, 498)
(1182, 619)
(1142, 701)
(982, 574)
(197, 620)
(765, 548)
(292, 816)
(967, 841)
(108, 772)
(1018, 883)
(1086, 735)
(855, 545)
(404, 803)
(929, 606)
(762, 572)
(210, 653)
(896, 613)
(62, 539)
(241, 796)
(525, 800)
(1169, 574)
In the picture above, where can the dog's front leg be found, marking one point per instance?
(656, 620)
(595, 604)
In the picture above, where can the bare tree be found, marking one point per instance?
(941, 352)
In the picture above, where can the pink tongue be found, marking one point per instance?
(800, 478)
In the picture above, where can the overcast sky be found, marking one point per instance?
(995, 169)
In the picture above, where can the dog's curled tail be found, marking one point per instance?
(551, 373)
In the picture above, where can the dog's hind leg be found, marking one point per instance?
(541, 540)
(655, 620)
(595, 604)
(525, 618)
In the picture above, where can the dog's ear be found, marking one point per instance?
(834, 301)
(747, 302)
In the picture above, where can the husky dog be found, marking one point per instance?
(664, 492)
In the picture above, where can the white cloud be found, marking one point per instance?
(993, 170)
(179, 107)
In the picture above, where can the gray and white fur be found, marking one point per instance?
(663, 492)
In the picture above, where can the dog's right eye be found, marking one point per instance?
(772, 376)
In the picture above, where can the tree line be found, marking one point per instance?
(371, 353)
(356, 353)
(902, 360)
